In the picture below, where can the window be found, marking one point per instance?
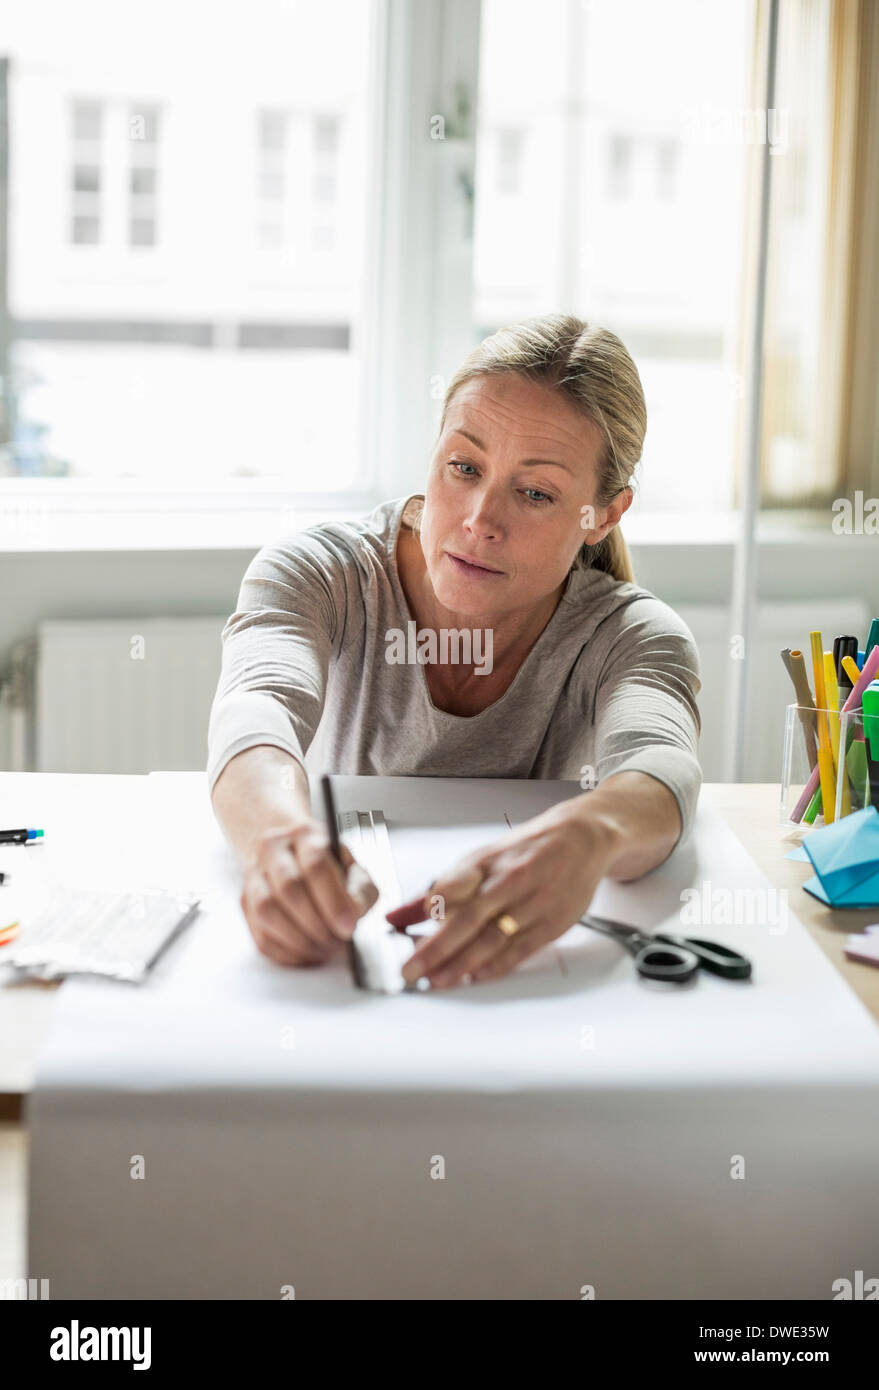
(632, 215)
(262, 259)
(187, 206)
(325, 137)
(143, 175)
(87, 122)
(270, 172)
(509, 162)
(106, 135)
(666, 169)
(619, 167)
(86, 152)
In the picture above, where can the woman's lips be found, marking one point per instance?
(473, 571)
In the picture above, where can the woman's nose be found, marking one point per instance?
(484, 521)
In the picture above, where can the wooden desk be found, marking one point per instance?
(750, 809)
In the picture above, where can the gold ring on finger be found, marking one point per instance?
(508, 925)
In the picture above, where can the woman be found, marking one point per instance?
(564, 667)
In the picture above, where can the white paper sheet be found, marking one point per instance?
(588, 1121)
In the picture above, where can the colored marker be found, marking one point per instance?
(826, 772)
(796, 669)
(18, 837)
(870, 702)
(852, 670)
(844, 647)
(813, 808)
(869, 673)
(833, 719)
(855, 753)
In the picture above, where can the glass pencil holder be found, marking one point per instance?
(847, 776)
(799, 803)
(852, 769)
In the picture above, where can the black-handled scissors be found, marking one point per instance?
(674, 958)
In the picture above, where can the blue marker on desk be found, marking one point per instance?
(19, 837)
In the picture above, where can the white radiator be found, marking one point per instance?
(125, 694)
(132, 696)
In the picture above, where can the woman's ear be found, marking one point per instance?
(615, 510)
(608, 516)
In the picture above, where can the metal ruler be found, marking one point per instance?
(376, 952)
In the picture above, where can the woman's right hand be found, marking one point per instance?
(296, 902)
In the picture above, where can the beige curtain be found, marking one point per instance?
(819, 420)
(859, 429)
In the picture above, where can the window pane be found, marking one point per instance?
(510, 152)
(631, 206)
(271, 185)
(86, 179)
(271, 235)
(201, 324)
(86, 231)
(86, 120)
(143, 180)
(326, 133)
(272, 129)
(143, 124)
(619, 162)
(143, 231)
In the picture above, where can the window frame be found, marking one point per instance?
(414, 322)
(414, 318)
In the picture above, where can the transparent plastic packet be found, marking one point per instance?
(118, 934)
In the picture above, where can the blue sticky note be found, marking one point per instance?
(845, 857)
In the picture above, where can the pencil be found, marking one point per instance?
(332, 822)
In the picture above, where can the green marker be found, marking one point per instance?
(870, 705)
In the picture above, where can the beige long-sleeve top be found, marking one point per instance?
(609, 685)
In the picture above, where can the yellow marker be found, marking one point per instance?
(850, 666)
(825, 753)
(832, 689)
(832, 692)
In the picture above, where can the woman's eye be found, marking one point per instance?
(540, 500)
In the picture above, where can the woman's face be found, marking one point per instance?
(511, 486)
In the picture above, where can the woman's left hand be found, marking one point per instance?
(543, 874)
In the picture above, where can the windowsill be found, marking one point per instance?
(779, 527)
(52, 517)
(88, 518)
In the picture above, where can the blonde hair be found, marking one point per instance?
(591, 368)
